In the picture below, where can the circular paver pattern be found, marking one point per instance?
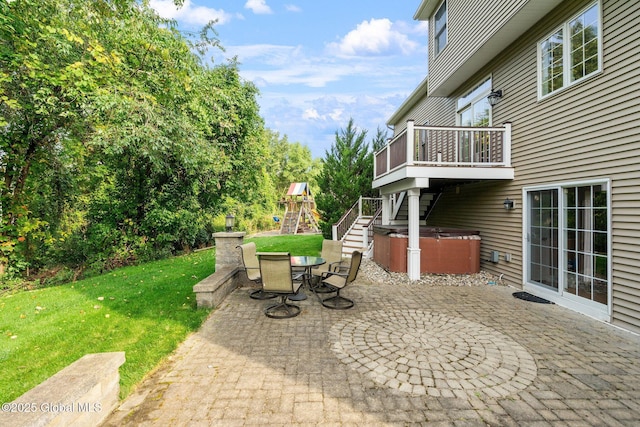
(425, 353)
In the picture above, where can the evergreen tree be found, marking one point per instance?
(347, 173)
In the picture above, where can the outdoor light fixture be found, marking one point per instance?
(494, 97)
(229, 222)
(508, 204)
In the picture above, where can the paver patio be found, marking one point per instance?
(405, 354)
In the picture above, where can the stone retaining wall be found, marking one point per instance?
(210, 292)
(82, 394)
(230, 274)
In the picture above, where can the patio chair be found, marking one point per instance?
(336, 281)
(278, 279)
(332, 254)
(252, 268)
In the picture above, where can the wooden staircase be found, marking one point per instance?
(402, 215)
(353, 224)
(353, 239)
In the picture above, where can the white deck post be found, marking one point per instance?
(413, 249)
(410, 142)
(506, 151)
(386, 209)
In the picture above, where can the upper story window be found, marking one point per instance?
(573, 52)
(473, 108)
(440, 34)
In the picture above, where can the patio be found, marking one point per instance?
(406, 353)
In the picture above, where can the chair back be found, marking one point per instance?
(356, 260)
(275, 269)
(250, 260)
(331, 253)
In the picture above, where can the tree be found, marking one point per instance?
(347, 174)
(51, 61)
(291, 162)
(116, 141)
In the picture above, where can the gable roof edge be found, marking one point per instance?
(419, 93)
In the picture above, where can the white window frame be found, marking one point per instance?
(445, 29)
(472, 100)
(582, 305)
(566, 53)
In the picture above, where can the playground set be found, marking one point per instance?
(300, 215)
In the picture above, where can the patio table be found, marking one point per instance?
(306, 262)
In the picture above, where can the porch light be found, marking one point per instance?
(229, 222)
(494, 97)
(508, 204)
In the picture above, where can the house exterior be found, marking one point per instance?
(560, 148)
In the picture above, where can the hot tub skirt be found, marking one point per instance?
(451, 254)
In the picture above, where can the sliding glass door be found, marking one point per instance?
(568, 242)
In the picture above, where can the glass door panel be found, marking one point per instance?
(481, 110)
(464, 150)
(543, 238)
(586, 243)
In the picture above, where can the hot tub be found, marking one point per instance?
(442, 250)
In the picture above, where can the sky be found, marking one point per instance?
(317, 64)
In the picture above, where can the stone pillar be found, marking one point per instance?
(227, 253)
(413, 249)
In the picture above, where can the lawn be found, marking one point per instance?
(145, 311)
(303, 244)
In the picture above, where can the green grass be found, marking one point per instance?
(302, 244)
(145, 311)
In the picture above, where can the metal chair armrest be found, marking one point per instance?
(335, 273)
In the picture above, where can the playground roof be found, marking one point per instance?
(299, 189)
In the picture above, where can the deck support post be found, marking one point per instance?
(413, 248)
(386, 209)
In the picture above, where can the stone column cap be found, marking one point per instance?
(230, 234)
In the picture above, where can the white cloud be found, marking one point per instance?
(189, 13)
(292, 8)
(313, 119)
(288, 65)
(259, 7)
(310, 114)
(270, 54)
(281, 65)
(375, 37)
(334, 115)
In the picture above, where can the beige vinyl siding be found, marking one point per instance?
(591, 130)
(431, 110)
(465, 35)
(479, 206)
(587, 131)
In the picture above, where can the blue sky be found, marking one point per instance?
(317, 63)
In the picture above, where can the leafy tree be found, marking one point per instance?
(116, 141)
(291, 162)
(347, 173)
(51, 60)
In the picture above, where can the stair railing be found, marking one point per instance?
(364, 206)
(340, 228)
(367, 235)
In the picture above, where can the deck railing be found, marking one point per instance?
(445, 146)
